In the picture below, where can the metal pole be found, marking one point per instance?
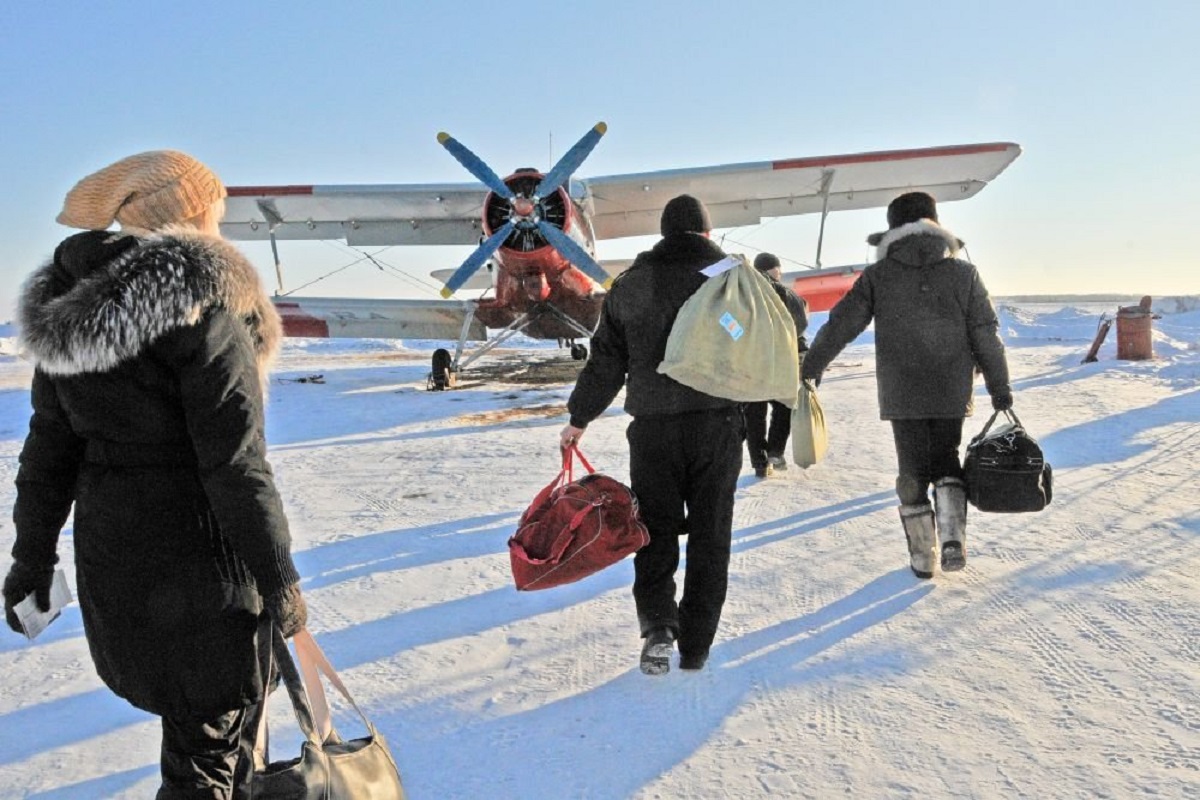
(826, 181)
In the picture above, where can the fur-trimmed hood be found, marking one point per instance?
(87, 311)
(949, 246)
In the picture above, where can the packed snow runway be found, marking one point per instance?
(1063, 662)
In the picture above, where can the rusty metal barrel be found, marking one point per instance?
(1135, 324)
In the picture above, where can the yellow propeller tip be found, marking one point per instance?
(446, 292)
(607, 283)
(443, 137)
(601, 128)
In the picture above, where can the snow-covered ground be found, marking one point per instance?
(1064, 662)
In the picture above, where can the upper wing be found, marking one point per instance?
(618, 205)
(743, 194)
(364, 215)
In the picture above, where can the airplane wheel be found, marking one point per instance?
(441, 377)
(579, 352)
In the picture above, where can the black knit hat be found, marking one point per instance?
(684, 214)
(909, 208)
(765, 262)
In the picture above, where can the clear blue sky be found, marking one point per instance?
(1104, 97)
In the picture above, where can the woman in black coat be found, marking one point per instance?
(151, 348)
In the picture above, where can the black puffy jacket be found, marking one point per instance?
(151, 358)
(631, 338)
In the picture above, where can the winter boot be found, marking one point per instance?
(919, 529)
(778, 463)
(950, 500)
(656, 651)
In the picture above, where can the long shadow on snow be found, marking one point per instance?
(638, 727)
(471, 614)
(47, 726)
(406, 548)
(350, 405)
(1072, 446)
(103, 786)
(90, 714)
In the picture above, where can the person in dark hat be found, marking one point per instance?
(934, 326)
(685, 446)
(151, 348)
(764, 443)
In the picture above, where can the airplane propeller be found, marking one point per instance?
(474, 165)
(477, 259)
(526, 211)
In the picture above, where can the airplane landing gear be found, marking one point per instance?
(579, 352)
(441, 377)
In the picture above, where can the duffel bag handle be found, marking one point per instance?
(1008, 412)
(572, 452)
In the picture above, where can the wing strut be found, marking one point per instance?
(826, 182)
(274, 220)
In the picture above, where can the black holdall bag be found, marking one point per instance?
(1005, 470)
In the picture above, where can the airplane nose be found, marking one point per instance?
(535, 286)
(522, 206)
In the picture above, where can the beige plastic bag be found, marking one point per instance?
(809, 438)
(734, 338)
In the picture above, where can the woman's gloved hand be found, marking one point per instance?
(21, 580)
(287, 609)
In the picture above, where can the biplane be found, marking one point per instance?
(537, 233)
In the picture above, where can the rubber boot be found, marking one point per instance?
(950, 500)
(919, 529)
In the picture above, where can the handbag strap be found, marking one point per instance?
(313, 663)
(275, 656)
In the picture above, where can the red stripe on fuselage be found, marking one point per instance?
(890, 155)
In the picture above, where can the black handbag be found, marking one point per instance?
(328, 768)
(1005, 469)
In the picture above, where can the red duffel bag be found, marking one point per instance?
(574, 528)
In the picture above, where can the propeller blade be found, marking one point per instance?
(570, 161)
(476, 259)
(575, 253)
(475, 165)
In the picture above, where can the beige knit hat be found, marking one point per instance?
(148, 190)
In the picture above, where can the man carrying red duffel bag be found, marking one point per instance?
(574, 528)
(685, 446)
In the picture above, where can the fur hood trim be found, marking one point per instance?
(168, 281)
(882, 241)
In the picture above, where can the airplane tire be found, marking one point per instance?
(441, 377)
(579, 352)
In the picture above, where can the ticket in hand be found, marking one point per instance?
(34, 620)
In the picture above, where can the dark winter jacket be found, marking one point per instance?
(797, 306)
(934, 325)
(631, 337)
(151, 358)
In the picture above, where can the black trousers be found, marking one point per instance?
(926, 451)
(761, 441)
(684, 470)
(209, 759)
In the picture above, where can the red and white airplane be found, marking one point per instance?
(537, 232)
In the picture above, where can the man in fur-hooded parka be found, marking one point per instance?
(151, 354)
(934, 324)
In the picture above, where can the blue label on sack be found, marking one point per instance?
(732, 326)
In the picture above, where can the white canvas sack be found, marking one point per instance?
(734, 338)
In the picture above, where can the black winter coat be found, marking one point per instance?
(151, 357)
(934, 325)
(631, 337)
(797, 306)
